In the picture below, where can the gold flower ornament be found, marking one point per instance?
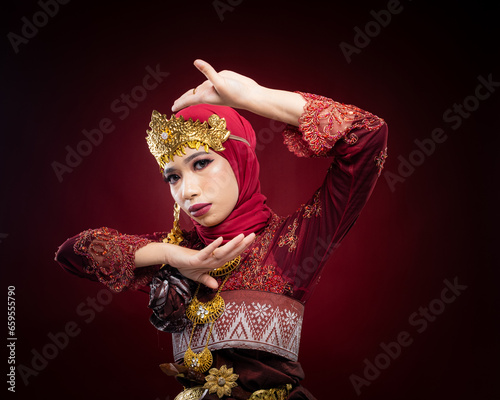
(221, 381)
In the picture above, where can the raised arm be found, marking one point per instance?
(234, 90)
(317, 127)
(359, 150)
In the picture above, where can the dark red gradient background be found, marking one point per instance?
(438, 224)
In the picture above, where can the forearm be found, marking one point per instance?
(158, 253)
(151, 254)
(275, 104)
(292, 107)
(193, 264)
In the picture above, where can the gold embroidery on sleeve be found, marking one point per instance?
(290, 238)
(350, 139)
(314, 208)
(380, 160)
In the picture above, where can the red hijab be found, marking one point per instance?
(251, 212)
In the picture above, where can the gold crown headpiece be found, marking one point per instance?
(168, 137)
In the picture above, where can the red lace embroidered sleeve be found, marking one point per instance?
(323, 123)
(107, 256)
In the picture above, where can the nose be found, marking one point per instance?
(190, 187)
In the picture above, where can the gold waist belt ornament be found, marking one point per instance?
(199, 392)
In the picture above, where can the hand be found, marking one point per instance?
(195, 264)
(221, 88)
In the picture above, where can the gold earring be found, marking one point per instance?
(175, 235)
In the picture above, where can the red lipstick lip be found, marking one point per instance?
(197, 210)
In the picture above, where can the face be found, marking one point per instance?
(203, 184)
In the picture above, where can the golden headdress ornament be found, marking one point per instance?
(168, 137)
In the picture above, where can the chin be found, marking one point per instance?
(210, 224)
(211, 221)
(206, 222)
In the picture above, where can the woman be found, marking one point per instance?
(232, 291)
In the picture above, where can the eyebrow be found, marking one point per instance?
(186, 160)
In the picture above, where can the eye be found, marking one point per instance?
(172, 178)
(200, 164)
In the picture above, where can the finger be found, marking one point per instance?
(238, 246)
(203, 93)
(187, 99)
(209, 71)
(207, 251)
(247, 241)
(229, 247)
(208, 281)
